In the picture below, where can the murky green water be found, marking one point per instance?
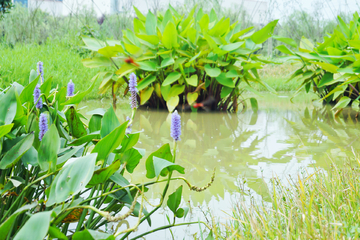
(282, 138)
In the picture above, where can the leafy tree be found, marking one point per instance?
(5, 6)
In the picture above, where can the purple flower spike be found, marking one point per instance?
(43, 125)
(133, 83)
(37, 93)
(175, 130)
(40, 69)
(128, 129)
(70, 89)
(133, 91)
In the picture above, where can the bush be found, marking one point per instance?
(183, 62)
(330, 68)
(56, 170)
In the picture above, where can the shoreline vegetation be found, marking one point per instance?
(35, 35)
(317, 204)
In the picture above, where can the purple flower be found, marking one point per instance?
(133, 91)
(40, 70)
(70, 89)
(37, 93)
(43, 125)
(133, 83)
(175, 129)
(128, 129)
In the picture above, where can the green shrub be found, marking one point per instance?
(330, 68)
(183, 60)
(56, 170)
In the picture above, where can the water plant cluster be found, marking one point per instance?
(183, 60)
(62, 174)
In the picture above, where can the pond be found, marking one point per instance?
(281, 139)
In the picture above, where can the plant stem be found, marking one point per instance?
(168, 226)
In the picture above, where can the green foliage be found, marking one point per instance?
(330, 68)
(60, 62)
(183, 60)
(5, 6)
(74, 174)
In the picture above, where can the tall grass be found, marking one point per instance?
(60, 62)
(322, 205)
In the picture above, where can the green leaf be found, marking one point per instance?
(327, 66)
(232, 74)
(164, 152)
(109, 143)
(96, 62)
(344, 28)
(30, 157)
(174, 200)
(232, 46)
(55, 232)
(132, 158)
(172, 103)
(223, 80)
(153, 39)
(161, 164)
(263, 34)
(145, 95)
(46, 86)
(284, 49)
(171, 78)
(12, 156)
(103, 174)
(89, 234)
(146, 82)
(72, 179)
(254, 104)
(288, 41)
(8, 107)
(192, 80)
(95, 123)
(170, 35)
(49, 148)
(165, 91)
(328, 77)
(176, 90)
(125, 69)
(5, 129)
(109, 122)
(354, 44)
(225, 91)
(150, 24)
(343, 102)
(76, 126)
(148, 66)
(212, 72)
(167, 62)
(6, 226)
(139, 14)
(35, 228)
(192, 97)
(86, 139)
(129, 141)
(111, 51)
(27, 94)
(93, 44)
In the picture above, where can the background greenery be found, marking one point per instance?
(38, 36)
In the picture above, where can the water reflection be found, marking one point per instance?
(281, 139)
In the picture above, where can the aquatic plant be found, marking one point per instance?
(40, 70)
(43, 125)
(330, 68)
(39, 154)
(183, 60)
(70, 89)
(37, 97)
